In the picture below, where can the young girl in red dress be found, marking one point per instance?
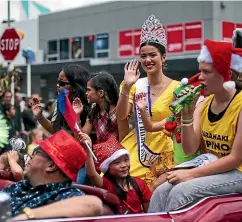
(114, 162)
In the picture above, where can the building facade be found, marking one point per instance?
(106, 36)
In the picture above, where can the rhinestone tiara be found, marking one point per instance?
(153, 31)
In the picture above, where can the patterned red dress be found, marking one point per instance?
(103, 130)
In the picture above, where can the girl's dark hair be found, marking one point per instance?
(161, 49)
(104, 81)
(6, 92)
(120, 192)
(6, 108)
(77, 77)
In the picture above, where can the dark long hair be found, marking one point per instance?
(104, 81)
(161, 49)
(120, 192)
(77, 77)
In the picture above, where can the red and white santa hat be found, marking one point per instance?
(224, 57)
(194, 81)
(108, 151)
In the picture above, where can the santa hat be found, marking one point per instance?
(193, 81)
(108, 151)
(224, 57)
(66, 152)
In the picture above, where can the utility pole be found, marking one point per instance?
(9, 13)
(9, 64)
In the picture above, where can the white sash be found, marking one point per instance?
(146, 157)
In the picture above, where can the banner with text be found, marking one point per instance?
(193, 36)
(227, 30)
(174, 38)
(183, 37)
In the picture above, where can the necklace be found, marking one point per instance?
(157, 92)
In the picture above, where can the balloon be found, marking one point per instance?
(20, 33)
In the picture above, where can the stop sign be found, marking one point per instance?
(9, 44)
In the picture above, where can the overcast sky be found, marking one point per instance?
(53, 5)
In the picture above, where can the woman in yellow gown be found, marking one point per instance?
(149, 152)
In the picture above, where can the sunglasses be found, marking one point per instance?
(39, 151)
(62, 83)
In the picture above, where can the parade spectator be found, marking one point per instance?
(12, 162)
(9, 113)
(29, 120)
(35, 135)
(48, 109)
(7, 96)
(6, 99)
(18, 115)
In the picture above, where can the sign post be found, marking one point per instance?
(9, 44)
(9, 48)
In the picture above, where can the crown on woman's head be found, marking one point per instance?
(153, 31)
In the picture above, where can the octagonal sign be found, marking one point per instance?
(9, 44)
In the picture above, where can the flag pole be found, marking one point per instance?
(87, 145)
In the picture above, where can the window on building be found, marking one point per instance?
(50, 58)
(89, 46)
(76, 48)
(102, 45)
(64, 49)
(52, 47)
(52, 50)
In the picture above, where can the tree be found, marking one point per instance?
(5, 79)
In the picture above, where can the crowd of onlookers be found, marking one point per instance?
(20, 118)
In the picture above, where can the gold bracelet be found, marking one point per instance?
(30, 214)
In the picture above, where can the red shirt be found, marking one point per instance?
(132, 204)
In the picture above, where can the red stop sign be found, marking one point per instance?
(9, 44)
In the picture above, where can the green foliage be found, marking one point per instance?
(5, 79)
(4, 131)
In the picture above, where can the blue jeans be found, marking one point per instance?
(168, 197)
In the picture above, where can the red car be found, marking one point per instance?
(225, 208)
